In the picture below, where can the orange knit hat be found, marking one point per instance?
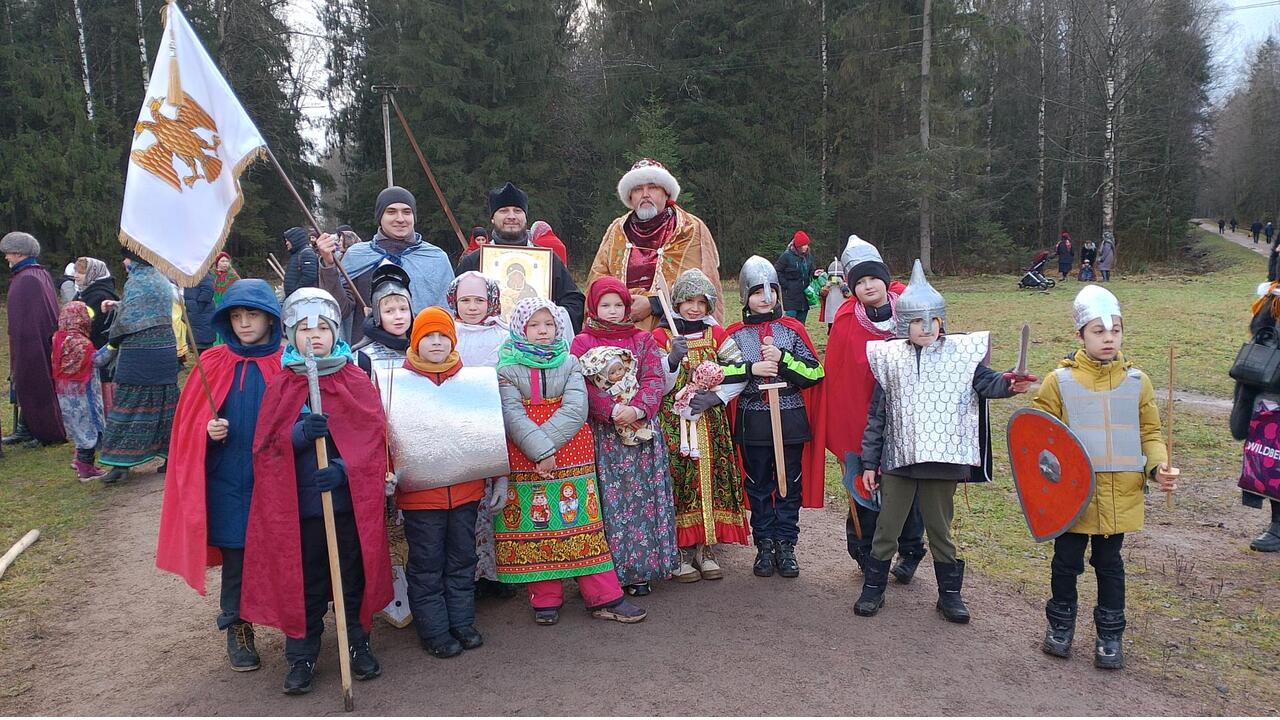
(433, 319)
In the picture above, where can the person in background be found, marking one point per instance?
(32, 306)
(795, 272)
(67, 285)
(200, 307)
(223, 275)
(1065, 256)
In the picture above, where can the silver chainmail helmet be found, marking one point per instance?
(310, 304)
(757, 271)
(919, 301)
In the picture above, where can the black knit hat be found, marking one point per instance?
(391, 196)
(296, 237)
(868, 267)
(507, 196)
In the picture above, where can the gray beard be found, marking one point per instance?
(646, 212)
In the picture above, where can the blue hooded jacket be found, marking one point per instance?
(229, 464)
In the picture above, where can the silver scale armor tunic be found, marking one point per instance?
(931, 408)
(1106, 422)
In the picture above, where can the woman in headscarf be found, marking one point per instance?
(142, 346)
(97, 290)
(223, 276)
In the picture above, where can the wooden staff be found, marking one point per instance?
(664, 299)
(413, 141)
(191, 341)
(26, 542)
(853, 509)
(364, 309)
(275, 265)
(1168, 497)
(331, 538)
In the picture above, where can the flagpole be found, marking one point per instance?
(191, 339)
(430, 175)
(364, 309)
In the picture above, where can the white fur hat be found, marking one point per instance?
(647, 170)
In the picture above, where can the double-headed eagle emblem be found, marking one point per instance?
(177, 137)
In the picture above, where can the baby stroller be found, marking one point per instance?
(1034, 278)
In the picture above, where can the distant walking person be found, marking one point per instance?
(1064, 253)
(1107, 255)
(1222, 226)
(1234, 224)
(1256, 229)
(1269, 230)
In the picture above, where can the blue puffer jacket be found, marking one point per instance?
(229, 464)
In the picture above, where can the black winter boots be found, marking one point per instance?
(950, 580)
(1108, 653)
(1061, 630)
(788, 566)
(874, 579)
(766, 558)
(905, 569)
(1269, 540)
(364, 666)
(298, 681)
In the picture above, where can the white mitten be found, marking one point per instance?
(499, 493)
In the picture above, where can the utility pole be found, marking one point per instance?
(386, 91)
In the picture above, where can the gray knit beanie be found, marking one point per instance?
(20, 243)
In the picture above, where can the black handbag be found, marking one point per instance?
(1258, 362)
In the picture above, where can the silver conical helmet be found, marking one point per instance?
(920, 300)
(858, 251)
(757, 271)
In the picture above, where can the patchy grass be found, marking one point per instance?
(38, 490)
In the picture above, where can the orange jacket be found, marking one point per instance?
(444, 498)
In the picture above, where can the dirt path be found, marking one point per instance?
(1241, 237)
(134, 641)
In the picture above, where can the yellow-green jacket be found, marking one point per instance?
(1116, 506)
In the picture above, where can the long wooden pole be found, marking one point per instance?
(331, 540)
(1168, 497)
(364, 309)
(191, 341)
(13, 553)
(444, 204)
(275, 265)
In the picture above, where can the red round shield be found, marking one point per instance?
(1051, 471)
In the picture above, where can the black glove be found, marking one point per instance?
(703, 401)
(315, 426)
(679, 349)
(330, 478)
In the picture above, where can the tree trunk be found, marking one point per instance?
(142, 46)
(84, 60)
(822, 19)
(1040, 135)
(926, 185)
(1109, 127)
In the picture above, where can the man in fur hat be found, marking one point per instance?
(33, 316)
(656, 234)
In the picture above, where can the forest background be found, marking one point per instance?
(969, 131)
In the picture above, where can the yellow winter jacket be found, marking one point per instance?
(1116, 506)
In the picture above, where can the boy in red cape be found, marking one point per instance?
(286, 581)
(210, 479)
(775, 348)
(843, 401)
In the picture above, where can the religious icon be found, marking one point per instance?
(521, 272)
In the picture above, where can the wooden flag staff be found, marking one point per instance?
(413, 141)
(1168, 497)
(311, 220)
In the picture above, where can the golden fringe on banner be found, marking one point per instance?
(167, 268)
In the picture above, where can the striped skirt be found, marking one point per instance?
(138, 424)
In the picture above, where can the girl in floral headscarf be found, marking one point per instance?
(474, 301)
(223, 276)
(551, 526)
(635, 478)
(79, 390)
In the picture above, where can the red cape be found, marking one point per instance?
(812, 494)
(182, 547)
(272, 592)
(838, 415)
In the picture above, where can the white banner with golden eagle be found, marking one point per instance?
(190, 145)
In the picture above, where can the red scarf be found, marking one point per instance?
(646, 238)
(605, 329)
(72, 349)
(860, 311)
